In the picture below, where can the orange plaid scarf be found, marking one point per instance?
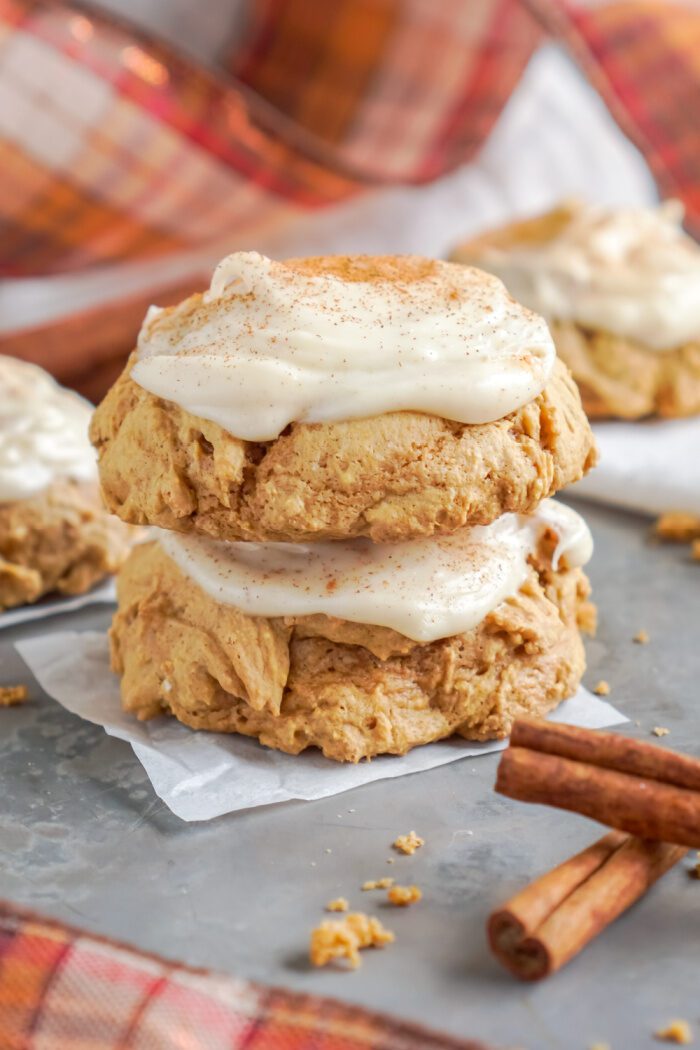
(65, 989)
(113, 147)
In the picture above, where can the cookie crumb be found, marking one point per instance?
(338, 904)
(641, 637)
(378, 884)
(602, 688)
(408, 844)
(599, 1046)
(328, 850)
(695, 550)
(660, 731)
(390, 860)
(678, 527)
(404, 895)
(675, 1032)
(344, 938)
(13, 695)
(694, 872)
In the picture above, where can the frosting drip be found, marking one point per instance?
(425, 589)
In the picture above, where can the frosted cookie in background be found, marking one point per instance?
(620, 289)
(55, 535)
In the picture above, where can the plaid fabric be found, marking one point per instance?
(403, 89)
(643, 56)
(61, 989)
(113, 147)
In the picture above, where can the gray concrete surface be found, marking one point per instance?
(83, 838)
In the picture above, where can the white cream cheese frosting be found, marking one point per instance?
(270, 345)
(425, 589)
(633, 272)
(43, 432)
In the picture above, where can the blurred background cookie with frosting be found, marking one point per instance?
(55, 535)
(620, 289)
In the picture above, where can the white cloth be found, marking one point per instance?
(648, 467)
(203, 775)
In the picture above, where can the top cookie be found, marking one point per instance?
(621, 292)
(369, 368)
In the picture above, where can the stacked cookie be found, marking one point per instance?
(619, 289)
(349, 460)
(55, 535)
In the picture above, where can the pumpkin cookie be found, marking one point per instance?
(621, 292)
(55, 534)
(329, 398)
(351, 689)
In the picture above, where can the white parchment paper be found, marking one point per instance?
(649, 467)
(203, 775)
(103, 592)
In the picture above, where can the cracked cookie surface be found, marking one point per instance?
(61, 540)
(390, 477)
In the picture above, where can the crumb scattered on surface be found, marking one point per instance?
(660, 731)
(694, 872)
(641, 637)
(13, 695)
(602, 688)
(408, 843)
(599, 1046)
(390, 860)
(678, 527)
(338, 904)
(404, 895)
(344, 938)
(378, 884)
(675, 1032)
(328, 850)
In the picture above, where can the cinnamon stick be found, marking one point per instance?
(610, 750)
(636, 787)
(546, 924)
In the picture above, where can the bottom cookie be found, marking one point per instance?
(351, 690)
(62, 540)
